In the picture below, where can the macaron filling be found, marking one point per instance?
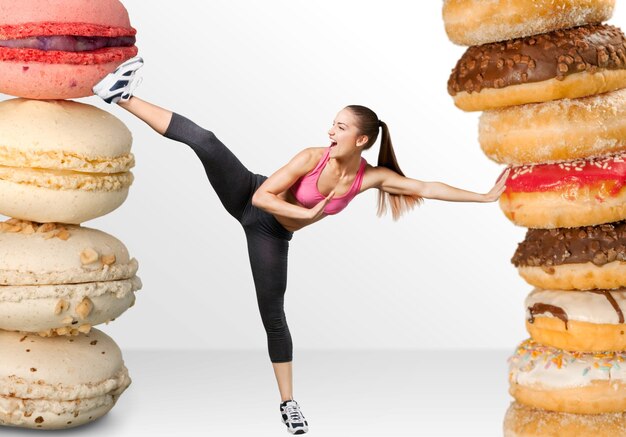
(68, 43)
(67, 180)
(61, 160)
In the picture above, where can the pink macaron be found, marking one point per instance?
(61, 49)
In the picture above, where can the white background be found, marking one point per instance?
(268, 78)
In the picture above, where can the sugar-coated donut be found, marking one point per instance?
(477, 22)
(585, 258)
(570, 63)
(566, 195)
(571, 382)
(61, 52)
(560, 130)
(587, 321)
(523, 421)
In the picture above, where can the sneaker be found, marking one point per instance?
(293, 418)
(119, 85)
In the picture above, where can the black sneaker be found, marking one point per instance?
(293, 418)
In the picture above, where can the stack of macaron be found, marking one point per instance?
(61, 163)
(551, 80)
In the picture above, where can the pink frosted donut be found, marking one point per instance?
(61, 52)
(567, 194)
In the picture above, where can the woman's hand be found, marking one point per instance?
(498, 188)
(318, 209)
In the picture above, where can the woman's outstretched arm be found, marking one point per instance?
(154, 116)
(391, 182)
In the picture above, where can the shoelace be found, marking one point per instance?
(294, 413)
(134, 83)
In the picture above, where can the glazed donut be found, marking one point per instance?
(570, 63)
(585, 258)
(561, 130)
(523, 421)
(587, 321)
(566, 195)
(570, 382)
(476, 22)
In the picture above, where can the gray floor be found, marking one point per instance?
(368, 393)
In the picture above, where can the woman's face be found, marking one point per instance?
(344, 134)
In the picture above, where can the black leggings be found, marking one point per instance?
(268, 240)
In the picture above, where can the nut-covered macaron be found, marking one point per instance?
(62, 279)
(59, 382)
(62, 161)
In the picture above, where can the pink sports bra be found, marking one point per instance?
(306, 192)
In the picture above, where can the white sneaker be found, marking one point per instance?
(293, 418)
(120, 85)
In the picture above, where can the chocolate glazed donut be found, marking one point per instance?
(585, 258)
(567, 63)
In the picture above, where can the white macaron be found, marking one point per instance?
(58, 382)
(62, 161)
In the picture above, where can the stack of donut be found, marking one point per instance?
(551, 80)
(61, 163)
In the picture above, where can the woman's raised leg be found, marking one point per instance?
(154, 116)
(231, 180)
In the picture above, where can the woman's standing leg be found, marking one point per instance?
(268, 259)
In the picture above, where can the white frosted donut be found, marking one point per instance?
(476, 22)
(523, 421)
(587, 321)
(560, 130)
(566, 195)
(571, 382)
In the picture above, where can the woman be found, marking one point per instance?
(317, 182)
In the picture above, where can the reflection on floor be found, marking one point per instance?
(382, 393)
